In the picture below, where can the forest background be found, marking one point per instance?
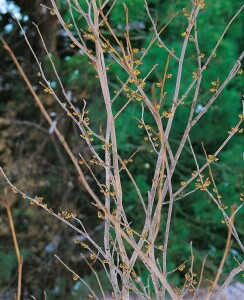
(33, 158)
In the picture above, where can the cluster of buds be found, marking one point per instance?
(151, 135)
(39, 200)
(48, 91)
(190, 281)
(84, 245)
(177, 291)
(203, 186)
(167, 114)
(212, 158)
(185, 33)
(200, 3)
(89, 36)
(132, 94)
(95, 161)
(214, 86)
(186, 13)
(181, 267)
(66, 215)
(100, 215)
(104, 190)
(125, 267)
(106, 146)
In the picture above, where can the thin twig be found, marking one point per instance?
(16, 246)
(76, 276)
(95, 273)
(227, 249)
(201, 277)
(228, 280)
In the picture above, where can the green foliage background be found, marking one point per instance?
(195, 218)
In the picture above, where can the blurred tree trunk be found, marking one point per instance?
(48, 26)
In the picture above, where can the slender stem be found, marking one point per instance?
(76, 276)
(95, 273)
(16, 246)
(227, 249)
(228, 280)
